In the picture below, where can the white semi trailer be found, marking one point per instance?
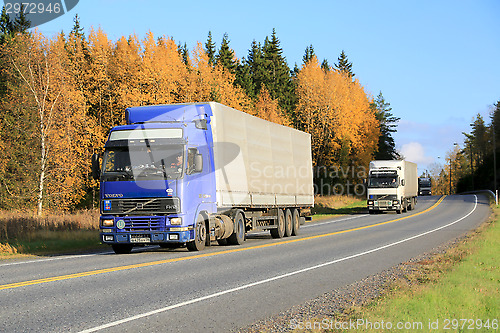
(392, 186)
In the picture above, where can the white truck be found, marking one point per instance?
(392, 186)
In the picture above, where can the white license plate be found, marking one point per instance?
(141, 239)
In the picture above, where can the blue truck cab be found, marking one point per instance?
(156, 177)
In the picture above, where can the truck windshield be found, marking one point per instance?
(143, 163)
(383, 182)
(425, 183)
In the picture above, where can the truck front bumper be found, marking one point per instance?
(111, 237)
(379, 205)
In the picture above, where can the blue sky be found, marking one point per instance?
(436, 62)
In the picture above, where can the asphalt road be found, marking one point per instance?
(222, 288)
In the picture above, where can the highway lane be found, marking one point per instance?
(223, 288)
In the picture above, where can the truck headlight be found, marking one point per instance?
(107, 223)
(395, 202)
(176, 221)
(370, 202)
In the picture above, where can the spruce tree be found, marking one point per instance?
(225, 57)
(250, 73)
(184, 53)
(210, 49)
(308, 54)
(325, 65)
(344, 65)
(21, 23)
(277, 76)
(77, 29)
(387, 124)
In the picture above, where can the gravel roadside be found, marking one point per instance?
(340, 302)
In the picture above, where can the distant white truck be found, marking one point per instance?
(392, 186)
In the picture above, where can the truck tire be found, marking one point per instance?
(280, 230)
(122, 248)
(238, 235)
(200, 235)
(295, 222)
(288, 223)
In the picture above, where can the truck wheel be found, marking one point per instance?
(122, 248)
(238, 236)
(280, 230)
(295, 222)
(200, 235)
(288, 223)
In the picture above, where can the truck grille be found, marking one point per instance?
(141, 206)
(146, 223)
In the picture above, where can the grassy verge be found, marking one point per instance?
(22, 234)
(329, 206)
(456, 291)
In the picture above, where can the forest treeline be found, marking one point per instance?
(59, 96)
(473, 166)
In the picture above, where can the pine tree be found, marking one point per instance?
(6, 26)
(250, 73)
(210, 49)
(277, 76)
(21, 23)
(344, 65)
(495, 123)
(77, 29)
(184, 53)
(9, 27)
(225, 57)
(387, 124)
(308, 54)
(325, 65)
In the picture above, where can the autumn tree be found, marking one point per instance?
(268, 109)
(336, 112)
(59, 138)
(208, 83)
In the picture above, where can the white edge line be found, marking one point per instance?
(199, 299)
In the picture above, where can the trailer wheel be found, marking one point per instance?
(296, 222)
(122, 248)
(280, 230)
(200, 235)
(238, 235)
(288, 223)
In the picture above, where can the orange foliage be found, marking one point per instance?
(82, 87)
(335, 111)
(207, 83)
(267, 108)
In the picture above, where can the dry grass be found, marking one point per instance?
(335, 201)
(16, 225)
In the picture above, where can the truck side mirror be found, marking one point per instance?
(198, 163)
(96, 168)
(402, 182)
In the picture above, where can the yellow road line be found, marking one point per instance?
(159, 262)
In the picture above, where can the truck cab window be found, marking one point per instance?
(190, 160)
